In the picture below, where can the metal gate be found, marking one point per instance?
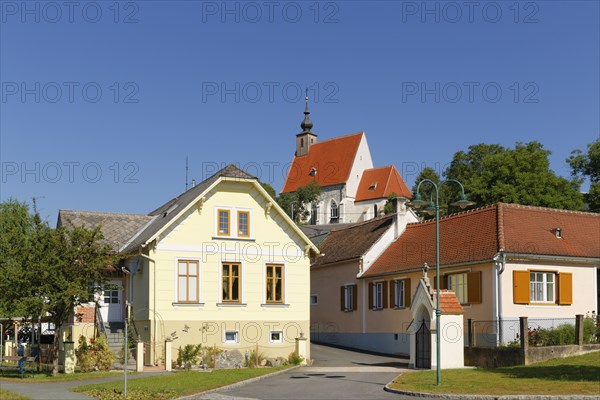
(423, 342)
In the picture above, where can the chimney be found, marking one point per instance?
(400, 215)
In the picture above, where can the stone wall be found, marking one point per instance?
(509, 356)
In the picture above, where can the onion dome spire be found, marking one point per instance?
(306, 124)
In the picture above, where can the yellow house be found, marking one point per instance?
(220, 265)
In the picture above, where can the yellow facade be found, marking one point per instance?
(166, 307)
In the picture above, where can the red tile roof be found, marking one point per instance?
(449, 303)
(477, 235)
(333, 160)
(379, 183)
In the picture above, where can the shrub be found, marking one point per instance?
(104, 356)
(94, 356)
(295, 359)
(591, 329)
(189, 355)
(251, 362)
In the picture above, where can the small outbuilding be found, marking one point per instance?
(423, 351)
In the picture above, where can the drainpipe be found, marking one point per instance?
(499, 264)
(151, 260)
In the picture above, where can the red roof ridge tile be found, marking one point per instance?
(457, 215)
(500, 226)
(549, 209)
(333, 139)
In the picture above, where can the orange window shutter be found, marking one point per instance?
(370, 296)
(474, 287)
(355, 297)
(385, 295)
(565, 288)
(521, 287)
(342, 298)
(392, 292)
(407, 297)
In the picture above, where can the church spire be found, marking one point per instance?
(306, 124)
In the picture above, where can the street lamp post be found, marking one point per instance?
(432, 208)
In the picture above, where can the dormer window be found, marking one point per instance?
(558, 232)
(313, 171)
(373, 186)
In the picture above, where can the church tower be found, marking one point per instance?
(306, 138)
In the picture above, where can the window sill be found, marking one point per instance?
(275, 305)
(188, 305)
(542, 305)
(231, 304)
(348, 310)
(376, 309)
(400, 308)
(234, 238)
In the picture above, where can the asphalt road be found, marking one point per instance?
(335, 374)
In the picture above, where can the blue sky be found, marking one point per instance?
(101, 102)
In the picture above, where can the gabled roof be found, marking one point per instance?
(379, 183)
(478, 235)
(318, 233)
(164, 214)
(449, 303)
(117, 228)
(352, 242)
(332, 159)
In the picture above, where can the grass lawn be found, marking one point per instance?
(8, 395)
(560, 376)
(172, 385)
(14, 376)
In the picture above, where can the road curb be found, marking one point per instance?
(237, 384)
(387, 388)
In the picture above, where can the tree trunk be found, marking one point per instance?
(55, 350)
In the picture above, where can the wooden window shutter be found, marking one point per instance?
(370, 296)
(407, 297)
(354, 297)
(565, 288)
(393, 294)
(342, 298)
(385, 295)
(474, 287)
(443, 282)
(521, 287)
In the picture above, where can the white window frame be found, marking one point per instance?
(399, 295)
(348, 300)
(460, 286)
(378, 295)
(280, 340)
(229, 341)
(333, 215)
(543, 284)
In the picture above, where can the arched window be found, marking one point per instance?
(313, 214)
(334, 211)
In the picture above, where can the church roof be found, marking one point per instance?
(379, 183)
(331, 159)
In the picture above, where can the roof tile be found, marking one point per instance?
(379, 183)
(333, 160)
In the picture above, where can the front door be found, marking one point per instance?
(110, 302)
(423, 351)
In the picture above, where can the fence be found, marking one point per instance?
(501, 343)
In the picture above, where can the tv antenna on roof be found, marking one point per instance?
(186, 173)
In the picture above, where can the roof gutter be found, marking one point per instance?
(155, 328)
(500, 265)
(540, 257)
(420, 269)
